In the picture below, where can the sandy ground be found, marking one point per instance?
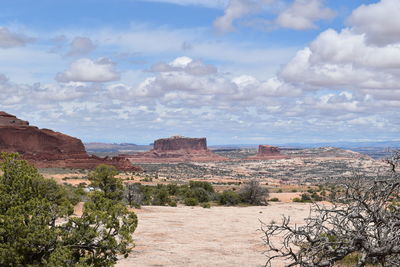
(194, 236)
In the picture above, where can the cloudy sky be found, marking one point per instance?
(235, 71)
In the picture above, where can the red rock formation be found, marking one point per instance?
(179, 143)
(45, 148)
(177, 149)
(268, 152)
(265, 150)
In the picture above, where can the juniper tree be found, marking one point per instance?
(38, 227)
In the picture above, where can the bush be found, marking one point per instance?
(172, 203)
(360, 229)
(161, 196)
(133, 195)
(296, 199)
(253, 193)
(201, 194)
(206, 205)
(172, 189)
(191, 201)
(274, 199)
(305, 197)
(198, 184)
(229, 198)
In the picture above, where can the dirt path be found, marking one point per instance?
(220, 236)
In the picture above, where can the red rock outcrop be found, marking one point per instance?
(45, 148)
(179, 143)
(268, 152)
(177, 149)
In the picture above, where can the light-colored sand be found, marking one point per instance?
(220, 236)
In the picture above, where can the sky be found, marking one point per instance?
(234, 71)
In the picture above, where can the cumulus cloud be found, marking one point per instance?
(81, 46)
(10, 39)
(235, 10)
(299, 15)
(302, 14)
(380, 22)
(188, 83)
(185, 64)
(87, 70)
(345, 59)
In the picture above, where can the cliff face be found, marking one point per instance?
(26, 139)
(265, 150)
(177, 149)
(45, 148)
(10, 120)
(179, 143)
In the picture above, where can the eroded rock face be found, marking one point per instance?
(45, 148)
(179, 143)
(177, 149)
(266, 152)
(10, 120)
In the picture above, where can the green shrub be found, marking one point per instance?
(296, 199)
(316, 197)
(205, 185)
(161, 197)
(201, 194)
(191, 201)
(206, 205)
(305, 197)
(279, 191)
(172, 189)
(229, 198)
(172, 203)
(274, 199)
(253, 193)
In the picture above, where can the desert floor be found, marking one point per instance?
(195, 236)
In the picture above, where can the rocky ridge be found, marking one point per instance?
(45, 148)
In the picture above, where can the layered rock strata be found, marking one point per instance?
(177, 149)
(45, 148)
(266, 152)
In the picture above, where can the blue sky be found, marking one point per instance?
(235, 71)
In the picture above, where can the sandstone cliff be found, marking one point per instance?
(266, 152)
(45, 148)
(179, 143)
(177, 149)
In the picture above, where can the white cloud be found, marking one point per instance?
(299, 15)
(10, 39)
(302, 14)
(81, 46)
(235, 10)
(87, 70)
(205, 3)
(186, 64)
(380, 22)
(345, 60)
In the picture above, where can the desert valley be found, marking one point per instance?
(182, 234)
(191, 133)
